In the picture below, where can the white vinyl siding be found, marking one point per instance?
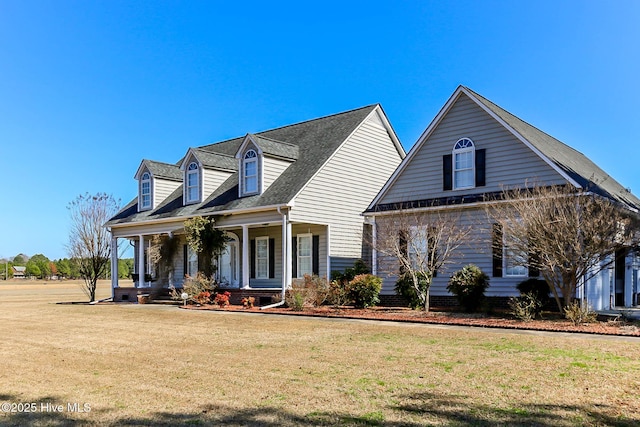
(162, 188)
(211, 180)
(345, 186)
(509, 162)
(271, 170)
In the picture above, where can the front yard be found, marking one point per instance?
(160, 365)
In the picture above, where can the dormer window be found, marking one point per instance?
(250, 172)
(193, 183)
(145, 191)
(463, 164)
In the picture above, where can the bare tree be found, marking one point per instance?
(422, 243)
(568, 236)
(89, 241)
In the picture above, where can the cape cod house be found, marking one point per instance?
(290, 200)
(473, 149)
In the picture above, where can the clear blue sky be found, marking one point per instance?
(90, 88)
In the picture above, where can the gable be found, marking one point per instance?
(508, 161)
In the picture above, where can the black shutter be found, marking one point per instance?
(447, 173)
(185, 260)
(294, 257)
(253, 258)
(496, 249)
(480, 168)
(431, 242)
(316, 255)
(404, 249)
(272, 258)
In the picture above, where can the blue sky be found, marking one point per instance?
(90, 88)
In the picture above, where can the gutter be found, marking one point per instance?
(286, 241)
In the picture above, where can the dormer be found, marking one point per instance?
(156, 181)
(203, 172)
(261, 161)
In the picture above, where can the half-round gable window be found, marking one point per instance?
(193, 182)
(145, 190)
(464, 164)
(250, 172)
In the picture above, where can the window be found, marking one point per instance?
(145, 191)
(515, 262)
(463, 164)
(193, 183)
(262, 257)
(192, 262)
(250, 172)
(305, 254)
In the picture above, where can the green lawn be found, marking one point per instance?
(159, 365)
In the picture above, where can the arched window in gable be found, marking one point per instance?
(463, 164)
(250, 172)
(193, 183)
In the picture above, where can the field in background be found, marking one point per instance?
(159, 365)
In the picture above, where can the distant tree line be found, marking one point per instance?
(41, 267)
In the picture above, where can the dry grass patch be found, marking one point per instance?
(155, 365)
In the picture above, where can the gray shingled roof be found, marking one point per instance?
(216, 160)
(164, 170)
(316, 141)
(575, 164)
(276, 148)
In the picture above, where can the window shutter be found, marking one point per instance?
(534, 261)
(253, 258)
(432, 249)
(294, 256)
(480, 168)
(447, 173)
(404, 249)
(185, 260)
(497, 250)
(316, 255)
(272, 258)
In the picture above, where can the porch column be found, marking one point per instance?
(141, 266)
(288, 258)
(246, 271)
(374, 244)
(114, 265)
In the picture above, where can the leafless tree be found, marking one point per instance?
(89, 241)
(566, 234)
(420, 244)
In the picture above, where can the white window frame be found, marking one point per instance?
(145, 197)
(302, 258)
(250, 157)
(418, 246)
(192, 262)
(462, 147)
(510, 267)
(264, 260)
(195, 171)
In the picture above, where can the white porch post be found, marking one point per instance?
(246, 272)
(141, 269)
(114, 265)
(374, 251)
(289, 252)
(328, 252)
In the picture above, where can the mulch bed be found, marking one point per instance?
(552, 321)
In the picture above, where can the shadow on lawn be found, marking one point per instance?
(426, 408)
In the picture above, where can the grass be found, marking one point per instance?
(159, 365)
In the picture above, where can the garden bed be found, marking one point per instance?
(551, 321)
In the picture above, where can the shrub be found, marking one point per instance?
(468, 285)
(308, 291)
(338, 293)
(404, 287)
(578, 313)
(248, 302)
(364, 290)
(203, 297)
(193, 286)
(526, 307)
(222, 299)
(539, 289)
(359, 267)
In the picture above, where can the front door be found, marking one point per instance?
(620, 277)
(228, 264)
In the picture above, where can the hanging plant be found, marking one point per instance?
(206, 240)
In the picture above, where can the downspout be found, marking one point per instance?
(285, 267)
